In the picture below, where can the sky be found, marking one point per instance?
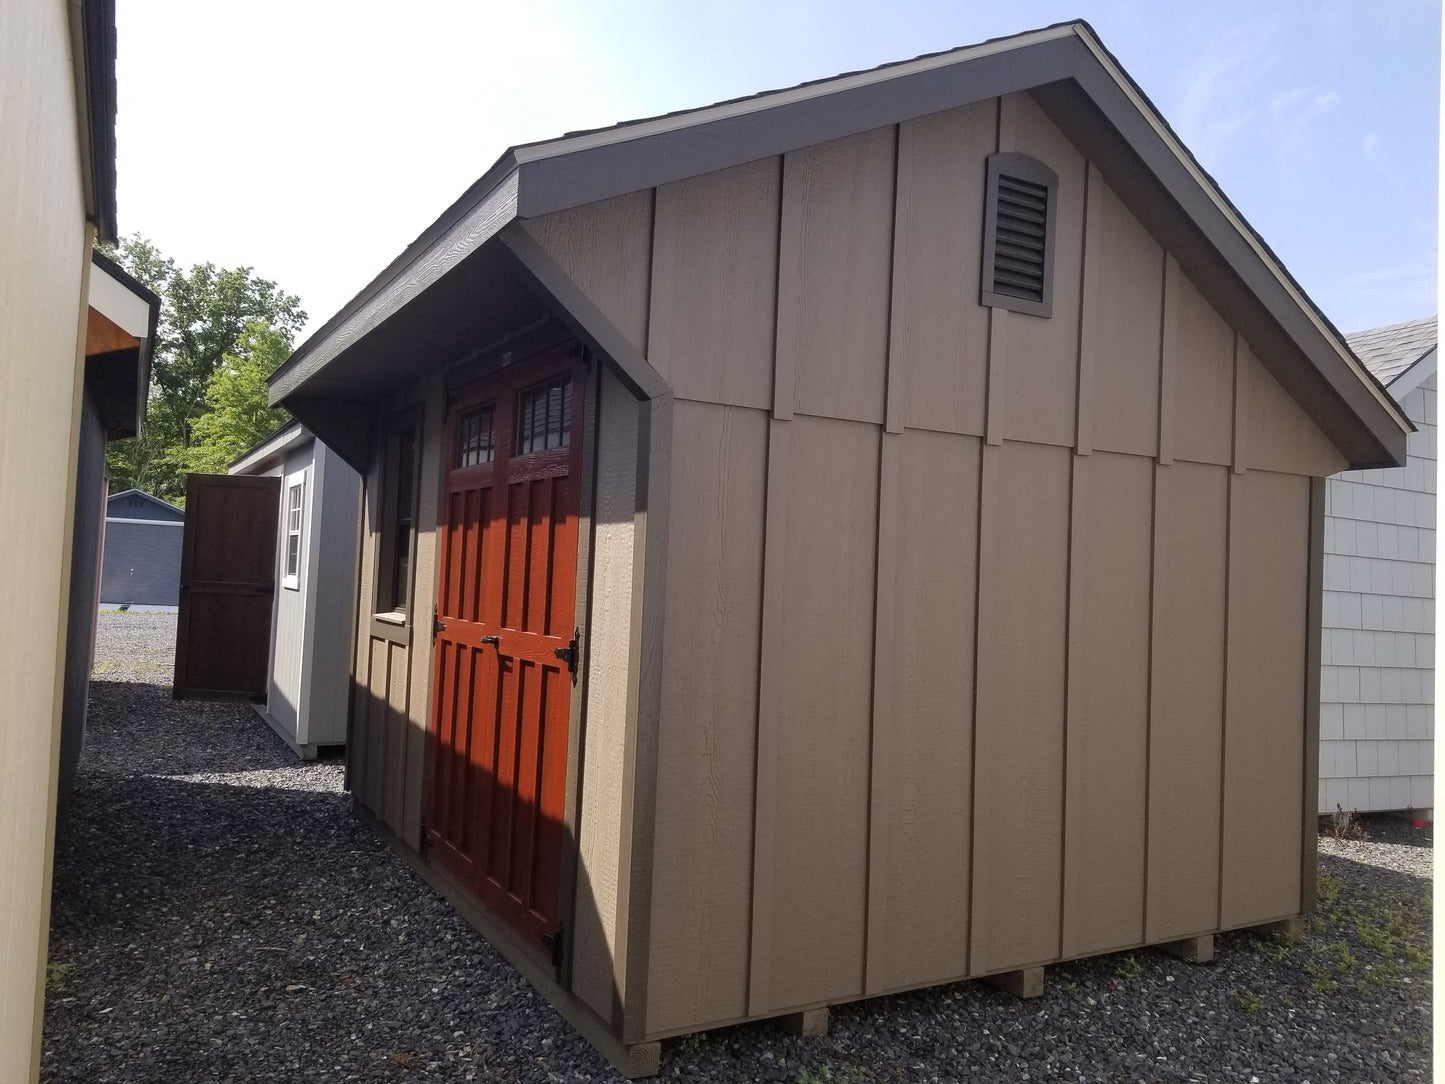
(312, 140)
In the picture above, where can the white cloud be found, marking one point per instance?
(1220, 97)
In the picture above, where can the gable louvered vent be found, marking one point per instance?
(1018, 235)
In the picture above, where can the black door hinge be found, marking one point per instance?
(437, 625)
(571, 654)
(553, 941)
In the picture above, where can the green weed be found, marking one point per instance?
(57, 977)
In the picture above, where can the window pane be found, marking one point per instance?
(474, 438)
(401, 524)
(544, 417)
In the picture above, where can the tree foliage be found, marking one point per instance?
(238, 415)
(207, 314)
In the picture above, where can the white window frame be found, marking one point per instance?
(293, 509)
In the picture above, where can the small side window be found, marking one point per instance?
(1018, 235)
(398, 491)
(295, 516)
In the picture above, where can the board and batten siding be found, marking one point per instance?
(953, 680)
(1377, 684)
(390, 703)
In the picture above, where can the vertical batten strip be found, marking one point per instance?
(902, 193)
(1158, 587)
(1150, 698)
(885, 583)
(1074, 699)
(582, 620)
(880, 769)
(1089, 314)
(1241, 418)
(640, 767)
(1314, 634)
(770, 680)
(785, 360)
(997, 346)
(1168, 357)
(993, 422)
(770, 639)
(1231, 615)
(984, 686)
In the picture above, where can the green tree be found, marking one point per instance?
(204, 314)
(238, 415)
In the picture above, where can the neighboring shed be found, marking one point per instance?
(309, 677)
(1377, 688)
(844, 540)
(75, 343)
(141, 565)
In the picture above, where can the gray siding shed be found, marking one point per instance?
(142, 556)
(1378, 676)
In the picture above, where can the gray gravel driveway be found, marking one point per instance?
(220, 915)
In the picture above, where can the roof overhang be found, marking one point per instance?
(462, 272)
(271, 450)
(119, 340)
(1420, 370)
(92, 50)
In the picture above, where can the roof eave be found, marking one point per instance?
(1057, 64)
(289, 436)
(1419, 371)
(481, 212)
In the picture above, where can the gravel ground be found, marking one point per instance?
(219, 915)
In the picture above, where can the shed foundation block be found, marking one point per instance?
(1197, 950)
(1027, 982)
(1291, 930)
(808, 1023)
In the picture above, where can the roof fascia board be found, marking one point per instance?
(1239, 232)
(280, 442)
(577, 170)
(575, 309)
(119, 280)
(438, 251)
(92, 33)
(1420, 370)
(111, 296)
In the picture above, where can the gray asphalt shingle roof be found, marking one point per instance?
(1388, 351)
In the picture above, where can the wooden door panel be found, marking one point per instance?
(504, 609)
(228, 586)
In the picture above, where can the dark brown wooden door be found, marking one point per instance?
(505, 604)
(228, 585)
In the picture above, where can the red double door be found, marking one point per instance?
(505, 648)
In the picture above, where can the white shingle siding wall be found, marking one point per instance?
(1377, 685)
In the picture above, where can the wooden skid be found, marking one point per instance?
(1025, 983)
(642, 1059)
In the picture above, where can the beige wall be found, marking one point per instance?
(978, 636)
(390, 704)
(44, 258)
(951, 593)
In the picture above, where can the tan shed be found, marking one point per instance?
(844, 540)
